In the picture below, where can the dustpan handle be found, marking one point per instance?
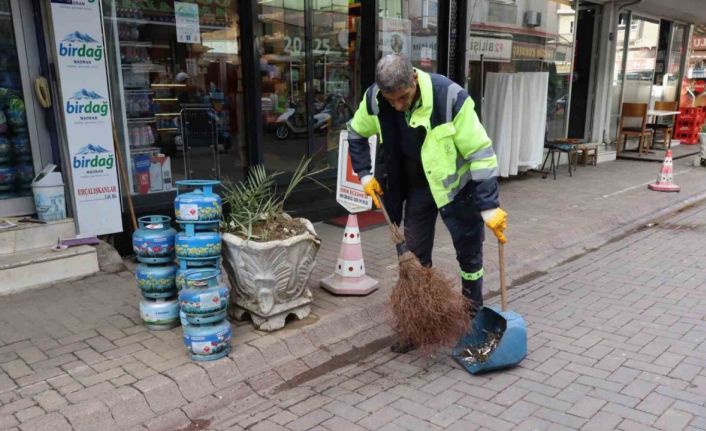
(501, 260)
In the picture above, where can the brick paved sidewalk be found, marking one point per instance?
(77, 353)
(617, 342)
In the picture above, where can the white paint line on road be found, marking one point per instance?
(638, 186)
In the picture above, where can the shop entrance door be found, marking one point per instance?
(309, 77)
(22, 125)
(583, 77)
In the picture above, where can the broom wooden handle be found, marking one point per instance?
(123, 177)
(396, 234)
(501, 260)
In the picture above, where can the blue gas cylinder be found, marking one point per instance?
(208, 342)
(156, 281)
(201, 206)
(159, 314)
(205, 299)
(186, 266)
(200, 245)
(153, 242)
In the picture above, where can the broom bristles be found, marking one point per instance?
(427, 308)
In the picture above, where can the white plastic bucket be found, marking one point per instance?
(48, 190)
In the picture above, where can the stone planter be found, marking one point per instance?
(269, 280)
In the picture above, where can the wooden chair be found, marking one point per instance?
(667, 128)
(639, 111)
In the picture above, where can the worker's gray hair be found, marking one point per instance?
(393, 72)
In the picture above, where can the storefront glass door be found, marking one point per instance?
(282, 47)
(21, 122)
(176, 90)
(309, 77)
(520, 71)
(643, 37)
(410, 28)
(336, 76)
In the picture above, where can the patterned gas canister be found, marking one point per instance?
(208, 342)
(153, 242)
(201, 206)
(159, 314)
(199, 245)
(187, 265)
(156, 281)
(205, 299)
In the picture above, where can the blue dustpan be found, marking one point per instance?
(512, 346)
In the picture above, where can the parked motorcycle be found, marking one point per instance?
(293, 122)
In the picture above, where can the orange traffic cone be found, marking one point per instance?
(349, 277)
(665, 181)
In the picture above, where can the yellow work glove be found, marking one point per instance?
(371, 186)
(496, 220)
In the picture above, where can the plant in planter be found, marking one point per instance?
(267, 254)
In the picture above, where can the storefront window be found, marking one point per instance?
(618, 72)
(693, 91)
(289, 101)
(176, 89)
(410, 28)
(520, 54)
(667, 79)
(16, 168)
(282, 48)
(336, 28)
(641, 60)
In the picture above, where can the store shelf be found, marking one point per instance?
(135, 44)
(157, 85)
(167, 114)
(142, 120)
(139, 91)
(141, 21)
(168, 129)
(144, 67)
(134, 149)
(166, 99)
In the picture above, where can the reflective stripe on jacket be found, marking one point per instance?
(455, 151)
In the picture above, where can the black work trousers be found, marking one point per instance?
(465, 224)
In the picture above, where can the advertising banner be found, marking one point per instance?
(349, 190)
(80, 53)
(186, 16)
(395, 36)
(492, 49)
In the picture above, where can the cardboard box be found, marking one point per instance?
(160, 173)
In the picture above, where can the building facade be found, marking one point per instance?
(208, 88)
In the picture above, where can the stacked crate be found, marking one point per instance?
(688, 125)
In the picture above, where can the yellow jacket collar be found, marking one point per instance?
(421, 116)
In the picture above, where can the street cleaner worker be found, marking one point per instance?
(438, 159)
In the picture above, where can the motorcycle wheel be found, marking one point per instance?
(282, 132)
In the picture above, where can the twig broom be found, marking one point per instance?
(427, 309)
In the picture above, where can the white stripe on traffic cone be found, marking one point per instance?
(349, 277)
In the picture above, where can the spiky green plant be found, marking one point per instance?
(255, 201)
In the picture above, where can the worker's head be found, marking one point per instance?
(397, 81)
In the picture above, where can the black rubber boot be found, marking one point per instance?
(403, 347)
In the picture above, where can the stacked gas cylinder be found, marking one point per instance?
(203, 297)
(153, 243)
